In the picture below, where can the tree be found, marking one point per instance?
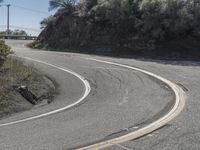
(47, 21)
(66, 4)
(19, 32)
(87, 5)
(128, 22)
(15, 32)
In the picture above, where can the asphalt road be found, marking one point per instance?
(121, 100)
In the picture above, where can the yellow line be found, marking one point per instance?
(174, 112)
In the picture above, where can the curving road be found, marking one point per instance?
(121, 101)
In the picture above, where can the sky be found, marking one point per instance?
(24, 13)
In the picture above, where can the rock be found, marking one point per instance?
(28, 95)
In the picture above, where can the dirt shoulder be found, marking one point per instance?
(15, 74)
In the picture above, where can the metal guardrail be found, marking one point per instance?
(18, 37)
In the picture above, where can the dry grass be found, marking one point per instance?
(13, 73)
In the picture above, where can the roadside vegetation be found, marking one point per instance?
(168, 28)
(14, 32)
(47, 21)
(13, 75)
(4, 52)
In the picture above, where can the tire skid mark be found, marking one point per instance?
(177, 108)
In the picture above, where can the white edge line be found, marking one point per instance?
(174, 112)
(86, 93)
(177, 108)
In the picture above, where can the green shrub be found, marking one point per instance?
(125, 23)
(4, 51)
(35, 45)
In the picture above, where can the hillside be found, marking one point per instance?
(157, 28)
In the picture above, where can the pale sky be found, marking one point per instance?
(24, 13)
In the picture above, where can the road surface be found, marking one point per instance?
(121, 100)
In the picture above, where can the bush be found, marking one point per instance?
(149, 20)
(4, 51)
(130, 24)
(35, 45)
